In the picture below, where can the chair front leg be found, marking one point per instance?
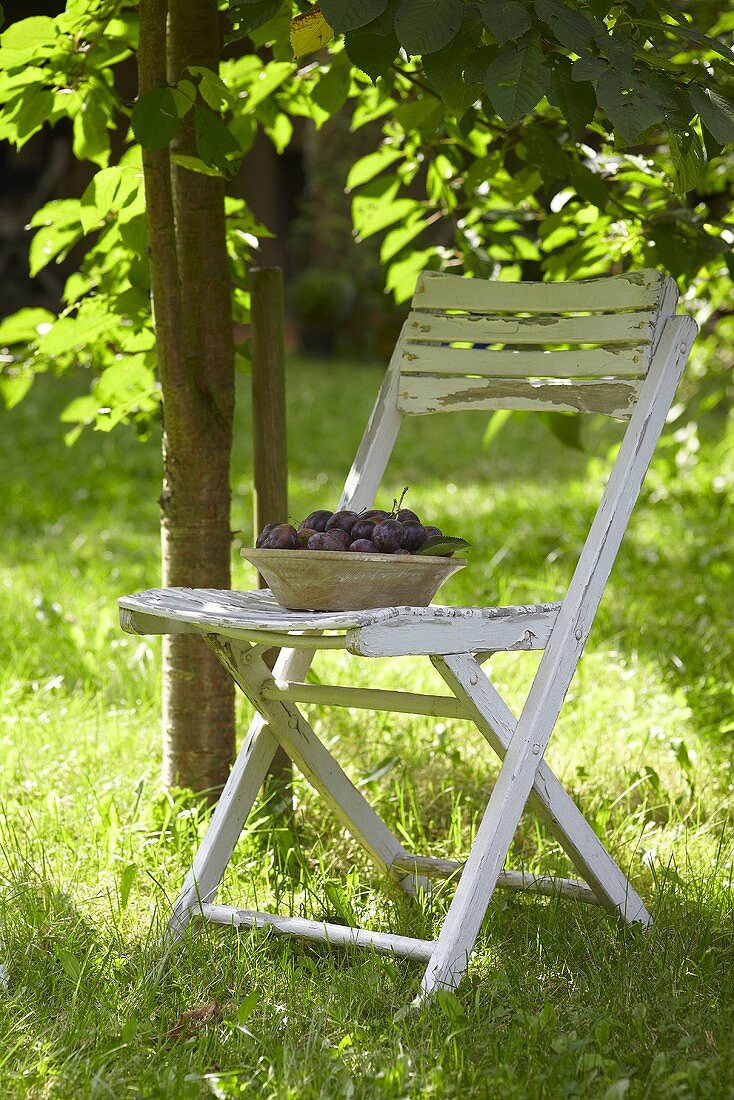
(235, 802)
(489, 851)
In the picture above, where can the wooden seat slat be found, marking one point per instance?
(212, 608)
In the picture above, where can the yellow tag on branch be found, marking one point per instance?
(309, 32)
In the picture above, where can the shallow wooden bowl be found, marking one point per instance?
(334, 580)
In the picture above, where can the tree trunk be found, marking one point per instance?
(193, 320)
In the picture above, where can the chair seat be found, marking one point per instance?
(213, 610)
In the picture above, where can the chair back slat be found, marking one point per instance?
(604, 328)
(581, 363)
(423, 394)
(576, 346)
(636, 290)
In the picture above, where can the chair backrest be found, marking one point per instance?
(633, 315)
(574, 346)
(482, 344)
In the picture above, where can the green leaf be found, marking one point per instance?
(575, 99)
(91, 140)
(716, 113)
(331, 92)
(402, 275)
(515, 82)
(14, 385)
(28, 33)
(629, 103)
(195, 164)
(370, 215)
(397, 239)
(349, 15)
(70, 963)
(689, 159)
(444, 66)
(33, 109)
(546, 153)
(507, 21)
(588, 68)
(111, 188)
(156, 119)
(365, 169)
(134, 233)
(423, 26)
(572, 28)
(566, 427)
(24, 326)
(72, 332)
(213, 90)
(268, 80)
(495, 424)
(589, 185)
(249, 16)
(214, 143)
(684, 31)
(442, 546)
(247, 1006)
(50, 242)
(373, 48)
(126, 881)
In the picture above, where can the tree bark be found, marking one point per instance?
(193, 321)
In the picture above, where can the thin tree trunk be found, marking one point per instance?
(192, 309)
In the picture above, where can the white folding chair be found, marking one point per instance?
(467, 344)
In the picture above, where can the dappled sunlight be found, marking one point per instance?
(91, 847)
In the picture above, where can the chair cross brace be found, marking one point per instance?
(281, 722)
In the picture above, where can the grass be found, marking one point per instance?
(559, 1002)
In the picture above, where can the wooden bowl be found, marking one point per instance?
(334, 580)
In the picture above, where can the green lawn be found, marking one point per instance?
(559, 1001)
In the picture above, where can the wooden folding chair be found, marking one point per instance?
(619, 350)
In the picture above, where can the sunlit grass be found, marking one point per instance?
(559, 1002)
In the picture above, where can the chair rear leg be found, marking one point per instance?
(548, 799)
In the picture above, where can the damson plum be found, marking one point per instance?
(264, 533)
(406, 516)
(376, 515)
(344, 521)
(316, 521)
(402, 553)
(304, 534)
(413, 536)
(363, 546)
(431, 532)
(342, 537)
(283, 537)
(362, 529)
(328, 540)
(387, 535)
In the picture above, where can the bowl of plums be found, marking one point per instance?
(347, 560)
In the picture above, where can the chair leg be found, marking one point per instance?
(294, 733)
(548, 799)
(516, 780)
(235, 802)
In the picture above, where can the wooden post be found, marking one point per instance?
(270, 462)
